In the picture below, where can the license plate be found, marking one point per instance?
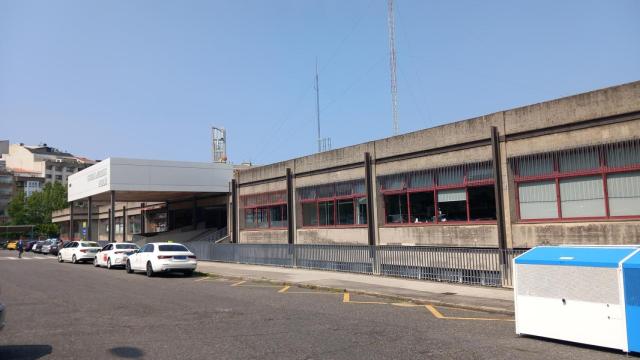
(93, 251)
(179, 258)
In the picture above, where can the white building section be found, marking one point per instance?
(149, 180)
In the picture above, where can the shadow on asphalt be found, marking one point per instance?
(127, 352)
(582, 346)
(24, 352)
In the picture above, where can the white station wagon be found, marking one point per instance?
(114, 254)
(162, 257)
(78, 251)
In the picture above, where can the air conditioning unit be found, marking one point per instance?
(583, 294)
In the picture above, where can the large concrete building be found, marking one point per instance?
(566, 171)
(43, 161)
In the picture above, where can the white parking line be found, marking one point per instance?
(26, 258)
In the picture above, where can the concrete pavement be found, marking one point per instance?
(67, 311)
(495, 300)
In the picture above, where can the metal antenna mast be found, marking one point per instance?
(318, 108)
(324, 144)
(392, 64)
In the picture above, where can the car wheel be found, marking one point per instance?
(149, 270)
(188, 273)
(95, 262)
(73, 259)
(60, 258)
(128, 267)
(109, 264)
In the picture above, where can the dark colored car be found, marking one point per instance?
(53, 250)
(29, 245)
(37, 247)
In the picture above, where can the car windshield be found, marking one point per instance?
(127, 246)
(172, 248)
(89, 244)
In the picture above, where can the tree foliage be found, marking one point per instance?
(36, 209)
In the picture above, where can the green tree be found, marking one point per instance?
(37, 209)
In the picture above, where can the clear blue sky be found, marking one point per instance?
(147, 78)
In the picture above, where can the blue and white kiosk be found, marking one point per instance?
(582, 294)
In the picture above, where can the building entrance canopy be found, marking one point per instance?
(136, 180)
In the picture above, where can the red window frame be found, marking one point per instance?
(264, 206)
(466, 184)
(335, 200)
(603, 170)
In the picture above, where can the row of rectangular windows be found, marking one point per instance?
(601, 181)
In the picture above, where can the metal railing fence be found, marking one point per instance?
(475, 266)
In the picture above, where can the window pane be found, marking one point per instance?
(278, 216)
(482, 171)
(450, 176)
(396, 208)
(421, 179)
(535, 165)
(538, 200)
(325, 209)
(624, 193)
(482, 203)
(422, 207)
(345, 212)
(392, 182)
(452, 205)
(361, 211)
(620, 155)
(583, 196)
(249, 219)
(309, 214)
(577, 160)
(261, 218)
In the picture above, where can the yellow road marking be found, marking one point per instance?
(405, 304)
(439, 315)
(284, 289)
(238, 283)
(434, 311)
(346, 298)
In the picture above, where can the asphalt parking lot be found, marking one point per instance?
(66, 311)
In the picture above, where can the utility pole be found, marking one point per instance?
(392, 65)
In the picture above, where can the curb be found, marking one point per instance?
(420, 301)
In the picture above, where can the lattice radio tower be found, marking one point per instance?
(392, 65)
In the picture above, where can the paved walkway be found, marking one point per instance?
(463, 296)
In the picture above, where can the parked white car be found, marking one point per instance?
(162, 257)
(114, 254)
(78, 251)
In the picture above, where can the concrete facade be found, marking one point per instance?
(605, 116)
(44, 161)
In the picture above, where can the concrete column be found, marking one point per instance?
(89, 217)
(112, 218)
(497, 178)
(234, 208)
(71, 220)
(368, 180)
(124, 224)
(143, 218)
(290, 209)
(194, 214)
